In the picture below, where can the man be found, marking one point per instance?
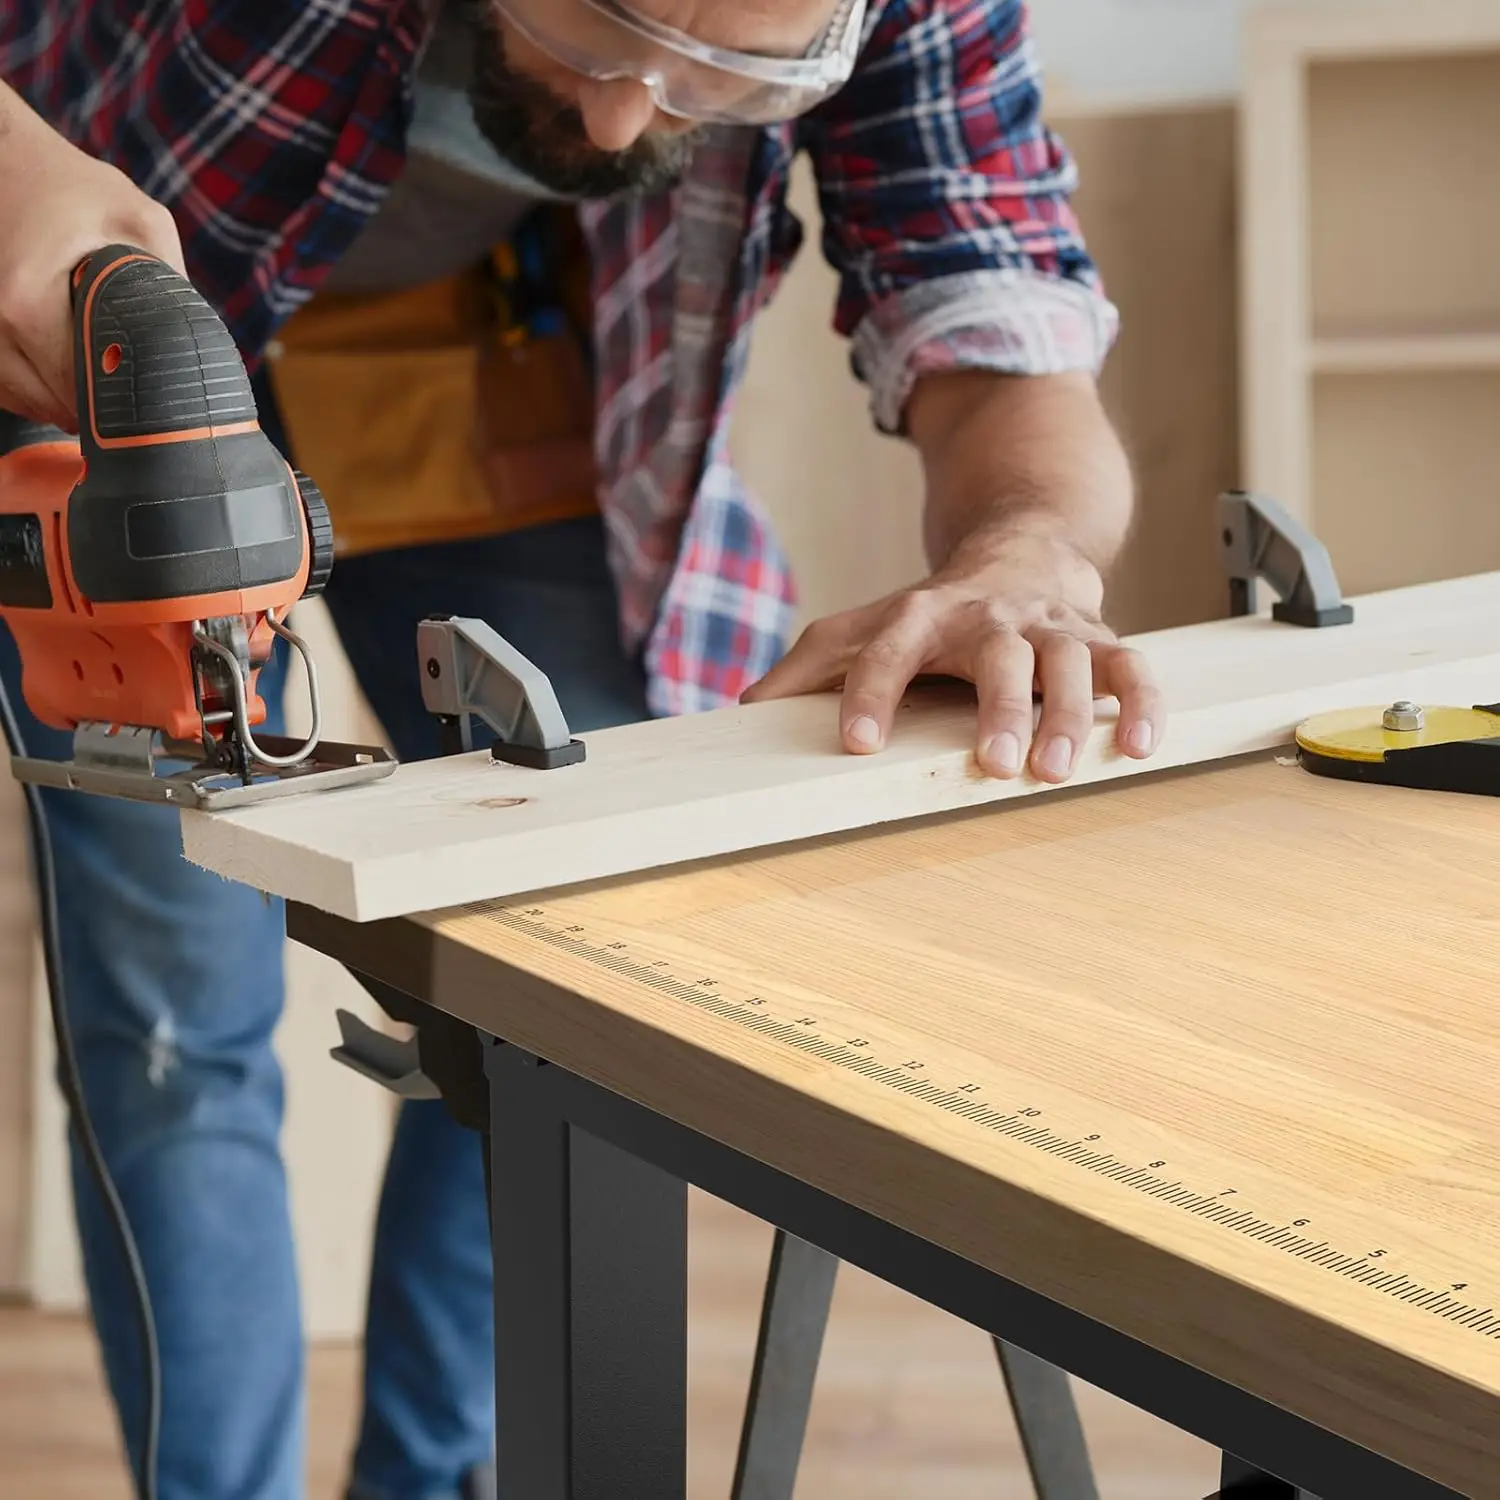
(443, 220)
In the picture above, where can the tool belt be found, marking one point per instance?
(455, 409)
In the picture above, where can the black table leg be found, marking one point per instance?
(1050, 1428)
(590, 1249)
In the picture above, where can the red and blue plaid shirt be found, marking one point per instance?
(273, 128)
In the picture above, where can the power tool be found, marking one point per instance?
(148, 565)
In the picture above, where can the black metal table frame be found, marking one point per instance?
(588, 1194)
(590, 1235)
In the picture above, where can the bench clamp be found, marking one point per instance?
(1261, 539)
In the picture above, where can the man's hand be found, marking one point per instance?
(57, 206)
(1026, 623)
(1028, 501)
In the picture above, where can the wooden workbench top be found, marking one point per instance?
(1209, 1056)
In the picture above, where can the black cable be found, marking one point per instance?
(72, 1088)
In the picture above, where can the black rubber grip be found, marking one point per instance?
(172, 503)
(152, 356)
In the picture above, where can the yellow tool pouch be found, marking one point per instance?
(444, 411)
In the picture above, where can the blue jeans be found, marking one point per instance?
(174, 989)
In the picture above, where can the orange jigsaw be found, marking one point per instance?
(148, 565)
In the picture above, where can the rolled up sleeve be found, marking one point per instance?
(947, 206)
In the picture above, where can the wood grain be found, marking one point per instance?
(1246, 978)
(460, 829)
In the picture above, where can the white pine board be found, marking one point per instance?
(441, 833)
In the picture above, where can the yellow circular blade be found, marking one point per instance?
(1360, 734)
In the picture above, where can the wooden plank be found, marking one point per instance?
(463, 829)
(1210, 1059)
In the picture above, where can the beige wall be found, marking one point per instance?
(1158, 202)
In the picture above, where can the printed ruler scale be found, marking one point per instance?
(1372, 1269)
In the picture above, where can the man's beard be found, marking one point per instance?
(544, 137)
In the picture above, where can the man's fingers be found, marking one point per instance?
(1065, 673)
(1123, 673)
(881, 673)
(1003, 669)
(24, 393)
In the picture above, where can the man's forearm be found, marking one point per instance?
(1010, 454)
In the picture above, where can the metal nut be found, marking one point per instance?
(1404, 717)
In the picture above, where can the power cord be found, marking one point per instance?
(71, 1084)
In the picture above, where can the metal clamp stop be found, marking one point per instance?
(1261, 539)
(468, 671)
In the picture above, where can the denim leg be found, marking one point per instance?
(173, 982)
(429, 1356)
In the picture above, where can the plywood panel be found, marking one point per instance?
(1407, 474)
(466, 828)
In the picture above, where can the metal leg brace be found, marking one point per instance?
(1041, 1399)
(794, 1318)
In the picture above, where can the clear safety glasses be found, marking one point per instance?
(691, 79)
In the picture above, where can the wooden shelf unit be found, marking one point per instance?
(1370, 280)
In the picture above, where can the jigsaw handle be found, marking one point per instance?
(183, 496)
(154, 363)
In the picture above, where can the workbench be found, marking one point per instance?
(1186, 1087)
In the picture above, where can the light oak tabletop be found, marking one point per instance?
(1209, 1056)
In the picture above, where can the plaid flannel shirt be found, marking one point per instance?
(272, 129)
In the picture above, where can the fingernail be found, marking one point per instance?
(864, 733)
(1142, 736)
(1004, 751)
(1057, 757)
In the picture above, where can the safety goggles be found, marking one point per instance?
(691, 79)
